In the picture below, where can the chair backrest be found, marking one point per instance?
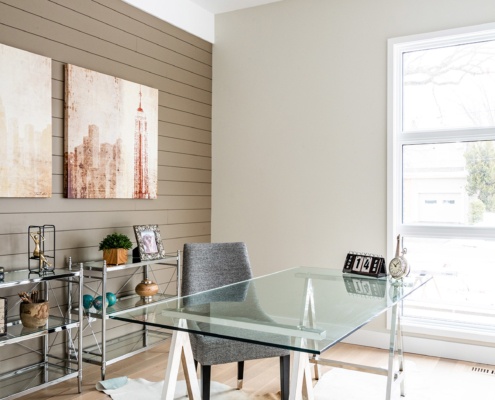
(210, 265)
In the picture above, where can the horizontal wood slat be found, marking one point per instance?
(59, 204)
(184, 132)
(63, 53)
(140, 24)
(119, 40)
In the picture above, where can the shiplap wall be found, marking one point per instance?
(114, 38)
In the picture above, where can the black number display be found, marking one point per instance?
(365, 264)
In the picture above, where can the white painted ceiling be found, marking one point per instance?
(194, 16)
(221, 6)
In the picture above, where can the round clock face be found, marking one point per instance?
(397, 268)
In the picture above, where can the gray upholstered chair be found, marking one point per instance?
(210, 265)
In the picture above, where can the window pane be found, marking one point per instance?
(464, 275)
(449, 184)
(449, 87)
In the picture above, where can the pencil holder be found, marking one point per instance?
(34, 315)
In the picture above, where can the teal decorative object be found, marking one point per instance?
(98, 303)
(87, 301)
(111, 299)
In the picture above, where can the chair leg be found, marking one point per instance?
(284, 377)
(240, 374)
(205, 381)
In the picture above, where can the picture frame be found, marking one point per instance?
(3, 316)
(27, 123)
(149, 242)
(116, 121)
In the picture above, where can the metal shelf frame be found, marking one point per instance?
(104, 351)
(49, 369)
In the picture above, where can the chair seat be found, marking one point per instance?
(209, 350)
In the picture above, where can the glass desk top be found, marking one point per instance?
(303, 309)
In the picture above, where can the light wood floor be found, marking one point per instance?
(260, 377)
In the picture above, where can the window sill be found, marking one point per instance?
(471, 334)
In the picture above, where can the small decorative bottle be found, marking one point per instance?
(146, 289)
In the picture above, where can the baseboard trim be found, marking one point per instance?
(427, 346)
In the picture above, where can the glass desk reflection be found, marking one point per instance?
(304, 309)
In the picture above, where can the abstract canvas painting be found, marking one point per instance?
(25, 124)
(111, 137)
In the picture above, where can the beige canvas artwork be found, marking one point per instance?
(25, 124)
(111, 137)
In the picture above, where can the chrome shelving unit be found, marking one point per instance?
(103, 351)
(47, 368)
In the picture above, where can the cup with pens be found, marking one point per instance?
(33, 310)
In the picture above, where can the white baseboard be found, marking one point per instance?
(427, 346)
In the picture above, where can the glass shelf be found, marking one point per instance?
(23, 277)
(127, 303)
(125, 346)
(16, 332)
(33, 378)
(98, 266)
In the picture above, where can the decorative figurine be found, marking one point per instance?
(44, 264)
(37, 239)
(42, 257)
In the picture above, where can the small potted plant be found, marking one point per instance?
(115, 248)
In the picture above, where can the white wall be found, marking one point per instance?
(299, 124)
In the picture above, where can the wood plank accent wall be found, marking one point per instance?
(114, 38)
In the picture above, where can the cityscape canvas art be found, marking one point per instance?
(111, 137)
(25, 124)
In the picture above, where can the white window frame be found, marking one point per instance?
(396, 138)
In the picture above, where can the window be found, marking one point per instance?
(441, 172)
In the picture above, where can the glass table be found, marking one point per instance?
(307, 310)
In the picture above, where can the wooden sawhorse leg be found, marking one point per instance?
(180, 351)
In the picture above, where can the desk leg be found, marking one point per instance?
(394, 377)
(301, 380)
(180, 350)
(308, 315)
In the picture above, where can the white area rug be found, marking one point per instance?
(141, 389)
(336, 384)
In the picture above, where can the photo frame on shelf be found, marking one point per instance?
(149, 242)
(3, 316)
